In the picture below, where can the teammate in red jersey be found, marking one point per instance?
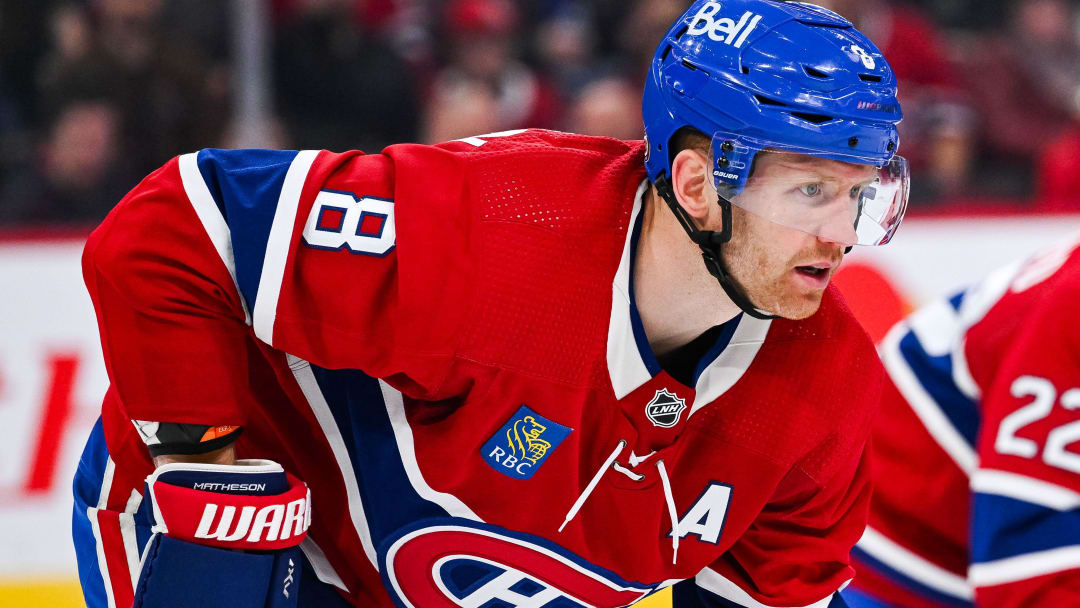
(496, 371)
(978, 477)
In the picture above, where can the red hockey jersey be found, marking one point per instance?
(977, 470)
(442, 342)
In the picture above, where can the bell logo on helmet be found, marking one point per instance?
(724, 29)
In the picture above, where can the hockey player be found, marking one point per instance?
(975, 459)
(496, 371)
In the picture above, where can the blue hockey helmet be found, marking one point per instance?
(778, 76)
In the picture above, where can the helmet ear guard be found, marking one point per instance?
(711, 242)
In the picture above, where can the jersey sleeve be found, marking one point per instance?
(220, 254)
(796, 553)
(1025, 545)
(914, 551)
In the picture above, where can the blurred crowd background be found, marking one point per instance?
(95, 94)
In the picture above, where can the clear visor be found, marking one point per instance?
(847, 203)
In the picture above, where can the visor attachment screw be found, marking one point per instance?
(854, 141)
(727, 147)
(722, 162)
(892, 146)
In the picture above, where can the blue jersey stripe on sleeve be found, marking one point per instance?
(359, 410)
(903, 579)
(1005, 527)
(87, 488)
(246, 185)
(935, 375)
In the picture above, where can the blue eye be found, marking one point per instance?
(810, 190)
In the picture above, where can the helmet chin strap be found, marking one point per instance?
(711, 243)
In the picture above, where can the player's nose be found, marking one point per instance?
(837, 229)
(837, 236)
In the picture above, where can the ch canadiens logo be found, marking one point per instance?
(523, 443)
(724, 29)
(464, 563)
(664, 409)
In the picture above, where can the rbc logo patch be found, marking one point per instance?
(523, 443)
(664, 409)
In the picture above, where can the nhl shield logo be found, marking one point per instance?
(664, 409)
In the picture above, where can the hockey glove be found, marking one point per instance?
(224, 535)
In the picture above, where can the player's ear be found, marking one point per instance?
(690, 180)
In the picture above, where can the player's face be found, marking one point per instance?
(785, 270)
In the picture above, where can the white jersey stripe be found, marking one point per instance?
(1024, 488)
(278, 244)
(309, 385)
(732, 363)
(103, 566)
(936, 326)
(212, 221)
(1021, 567)
(961, 373)
(106, 484)
(883, 549)
(714, 582)
(321, 565)
(924, 406)
(625, 367)
(131, 546)
(403, 437)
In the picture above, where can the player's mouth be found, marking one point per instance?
(816, 275)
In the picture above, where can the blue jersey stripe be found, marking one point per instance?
(721, 343)
(87, 489)
(907, 582)
(647, 356)
(1006, 527)
(957, 300)
(857, 598)
(246, 185)
(935, 375)
(392, 505)
(390, 501)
